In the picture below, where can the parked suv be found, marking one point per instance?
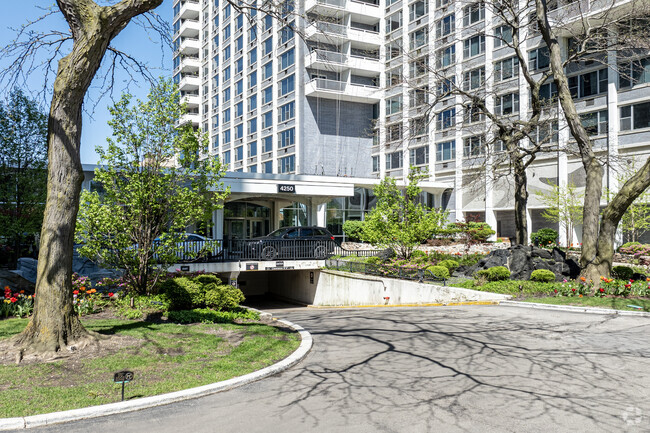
(315, 242)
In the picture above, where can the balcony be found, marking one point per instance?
(189, 28)
(190, 9)
(369, 37)
(364, 63)
(326, 60)
(331, 33)
(342, 91)
(189, 82)
(189, 65)
(190, 99)
(324, 7)
(192, 116)
(365, 8)
(189, 45)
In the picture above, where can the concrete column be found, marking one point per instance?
(232, 278)
(529, 224)
(217, 224)
(321, 215)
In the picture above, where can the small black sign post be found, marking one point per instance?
(123, 377)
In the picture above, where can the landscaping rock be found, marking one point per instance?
(523, 260)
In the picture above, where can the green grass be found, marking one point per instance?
(511, 287)
(171, 357)
(589, 301)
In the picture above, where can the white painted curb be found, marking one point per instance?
(159, 400)
(572, 309)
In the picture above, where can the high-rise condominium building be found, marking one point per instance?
(360, 89)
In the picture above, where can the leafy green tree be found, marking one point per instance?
(564, 206)
(154, 186)
(23, 174)
(399, 220)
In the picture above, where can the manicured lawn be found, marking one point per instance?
(588, 301)
(164, 357)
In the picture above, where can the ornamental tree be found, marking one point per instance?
(399, 220)
(153, 185)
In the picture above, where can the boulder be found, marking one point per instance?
(523, 260)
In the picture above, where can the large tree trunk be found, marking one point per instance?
(597, 236)
(521, 203)
(54, 324)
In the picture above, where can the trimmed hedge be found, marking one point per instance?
(542, 276)
(496, 273)
(452, 265)
(544, 237)
(439, 271)
(622, 272)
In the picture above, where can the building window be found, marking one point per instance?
(393, 160)
(226, 94)
(446, 56)
(239, 43)
(267, 144)
(394, 77)
(287, 164)
(506, 104)
(502, 36)
(418, 9)
(546, 133)
(473, 13)
(267, 95)
(267, 119)
(287, 59)
(473, 146)
(239, 131)
(287, 138)
(419, 96)
(226, 74)
(445, 26)
(589, 84)
(375, 164)
(538, 59)
(595, 123)
(252, 79)
(473, 114)
(226, 115)
(252, 57)
(239, 87)
(252, 126)
(506, 69)
(445, 86)
(252, 149)
(419, 67)
(419, 38)
(633, 73)
(419, 156)
(239, 153)
(252, 169)
(226, 32)
(393, 105)
(394, 132)
(394, 22)
(446, 119)
(474, 46)
(446, 151)
(287, 85)
(239, 109)
(268, 167)
(267, 46)
(239, 65)
(474, 79)
(286, 33)
(268, 22)
(441, 3)
(635, 116)
(267, 70)
(286, 112)
(548, 93)
(418, 126)
(225, 158)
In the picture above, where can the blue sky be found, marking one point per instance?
(133, 40)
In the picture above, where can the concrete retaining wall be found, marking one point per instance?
(335, 288)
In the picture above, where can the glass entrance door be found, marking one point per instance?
(236, 229)
(257, 227)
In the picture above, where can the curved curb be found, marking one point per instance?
(159, 400)
(573, 309)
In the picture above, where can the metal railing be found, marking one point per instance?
(336, 3)
(232, 250)
(399, 272)
(330, 56)
(325, 84)
(332, 28)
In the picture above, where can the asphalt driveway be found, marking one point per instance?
(474, 369)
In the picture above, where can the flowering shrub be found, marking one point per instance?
(612, 287)
(577, 288)
(16, 304)
(635, 250)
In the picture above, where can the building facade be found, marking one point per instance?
(358, 88)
